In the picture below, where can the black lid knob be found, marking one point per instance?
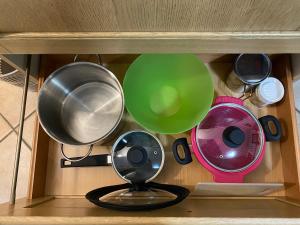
(137, 156)
(233, 136)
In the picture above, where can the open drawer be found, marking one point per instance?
(271, 192)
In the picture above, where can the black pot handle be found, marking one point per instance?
(264, 121)
(187, 153)
(95, 195)
(92, 160)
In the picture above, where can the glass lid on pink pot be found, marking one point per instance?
(230, 138)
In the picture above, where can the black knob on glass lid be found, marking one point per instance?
(137, 156)
(233, 136)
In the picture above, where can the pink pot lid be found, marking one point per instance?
(230, 138)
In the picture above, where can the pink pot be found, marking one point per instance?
(230, 141)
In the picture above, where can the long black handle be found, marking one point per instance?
(93, 160)
(265, 122)
(187, 153)
(95, 196)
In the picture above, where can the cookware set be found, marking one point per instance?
(137, 157)
(82, 103)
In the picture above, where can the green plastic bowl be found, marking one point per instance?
(168, 93)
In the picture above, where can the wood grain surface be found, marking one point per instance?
(140, 26)
(149, 42)
(262, 211)
(290, 146)
(37, 181)
(148, 15)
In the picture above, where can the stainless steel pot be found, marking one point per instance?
(81, 103)
(136, 156)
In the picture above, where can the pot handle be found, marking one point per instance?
(187, 153)
(247, 94)
(77, 159)
(270, 136)
(93, 160)
(98, 57)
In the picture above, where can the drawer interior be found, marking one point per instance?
(279, 166)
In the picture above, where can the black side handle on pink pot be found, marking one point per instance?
(187, 158)
(265, 123)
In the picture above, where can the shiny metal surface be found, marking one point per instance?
(77, 159)
(80, 103)
(151, 165)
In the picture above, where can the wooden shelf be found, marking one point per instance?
(149, 42)
(215, 211)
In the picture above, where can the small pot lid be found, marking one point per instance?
(230, 138)
(137, 156)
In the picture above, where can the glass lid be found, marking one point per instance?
(128, 197)
(230, 138)
(137, 197)
(137, 156)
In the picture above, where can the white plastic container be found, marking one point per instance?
(268, 92)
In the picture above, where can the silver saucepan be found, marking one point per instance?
(81, 103)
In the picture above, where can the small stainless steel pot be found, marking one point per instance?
(80, 103)
(136, 156)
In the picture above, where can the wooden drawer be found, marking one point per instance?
(56, 195)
